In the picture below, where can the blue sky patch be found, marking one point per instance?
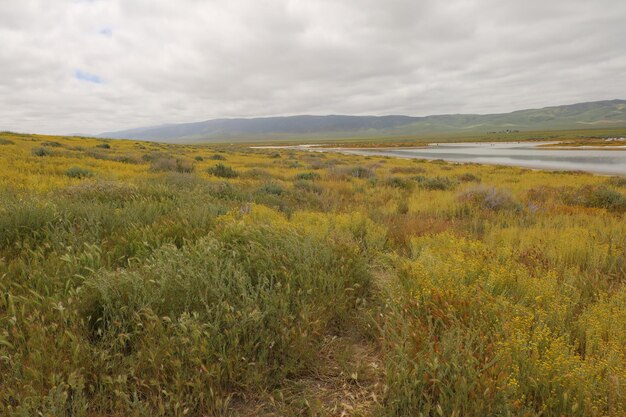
(108, 32)
(88, 77)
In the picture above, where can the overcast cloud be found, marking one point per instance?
(96, 65)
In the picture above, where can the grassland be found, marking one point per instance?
(143, 279)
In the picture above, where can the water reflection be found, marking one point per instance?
(528, 155)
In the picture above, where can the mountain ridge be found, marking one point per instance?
(604, 113)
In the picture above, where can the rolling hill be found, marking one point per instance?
(598, 114)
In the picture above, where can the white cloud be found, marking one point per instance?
(162, 61)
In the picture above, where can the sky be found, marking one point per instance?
(90, 66)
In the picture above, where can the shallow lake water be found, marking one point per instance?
(521, 154)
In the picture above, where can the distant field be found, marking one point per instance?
(146, 279)
(582, 136)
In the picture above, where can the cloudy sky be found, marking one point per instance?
(88, 66)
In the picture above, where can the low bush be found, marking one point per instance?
(435, 183)
(407, 170)
(103, 146)
(257, 173)
(468, 177)
(41, 152)
(226, 305)
(617, 181)
(398, 182)
(78, 172)
(222, 171)
(4, 141)
(361, 172)
(217, 157)
(272, 188)
(489, 198)
(308, 176)
(308, 186)
(597, 197)
(164, 164)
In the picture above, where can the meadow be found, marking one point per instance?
(147, 279)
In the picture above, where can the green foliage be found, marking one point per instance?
(103, 146)
(272, 188)
(435, 183)
(78, 172)
(308, 176)
(361, 172)
(41, 152)
(468, 177)
(489, 198)
(222, 171)
(217, 157)
(164, 164)
(598, 197)
(399, 182)
(617, 181)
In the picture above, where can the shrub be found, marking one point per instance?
(125, 159)
(272, 188)
(104, 192)
(103, 146)
(489, 198)
(308, 176)
(165, 164)
(41, 152)
(361, 172)
(51, 144)
(398, 182)
(4, 141)
(217, 157)
(468, 177)
(596, 196)
(617, 181)
(78, 172)
(407, 170)
(247, 306)
(222, 171)
(275, 155)
(257, 173)
(308, 186)
(435, 183)
(199, 158)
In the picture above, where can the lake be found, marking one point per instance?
(521, 154)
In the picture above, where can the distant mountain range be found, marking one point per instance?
(598, 114)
